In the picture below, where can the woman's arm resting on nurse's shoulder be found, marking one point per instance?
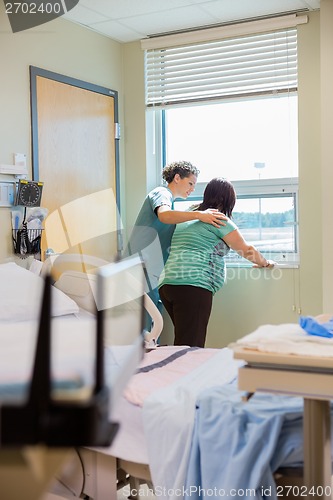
(236, 241)
(211, 216)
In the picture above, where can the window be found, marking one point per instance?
(230, 107)
(240, 140)
(267, 218)
(266, 214)
(254, 144)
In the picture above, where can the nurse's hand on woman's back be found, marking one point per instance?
(212, 216)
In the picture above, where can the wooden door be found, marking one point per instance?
(75, 154)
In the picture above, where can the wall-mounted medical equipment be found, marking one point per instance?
(27, 218)
(19, 168)
(29, 193)
(8, 188)
(7, 194)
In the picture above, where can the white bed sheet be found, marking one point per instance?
(130, 443)
(169, 416)
(156, 420)
(72, 348)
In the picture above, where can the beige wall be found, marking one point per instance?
(251, 298)
(134, 131)
(326, 43)
(310, 216)
(58, 46)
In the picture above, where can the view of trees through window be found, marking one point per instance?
(270, 231)
(274, 233)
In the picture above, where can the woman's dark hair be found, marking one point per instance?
(219, 193)
(183, 168)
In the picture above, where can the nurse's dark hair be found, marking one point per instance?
(219, 193)
(183, 168)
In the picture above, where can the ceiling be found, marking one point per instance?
(130, 20)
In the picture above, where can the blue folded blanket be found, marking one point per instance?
(311, 326)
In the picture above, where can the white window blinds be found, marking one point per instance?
(253, 64)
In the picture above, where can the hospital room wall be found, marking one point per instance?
(250, 297)
(326, 79)
(58, 46)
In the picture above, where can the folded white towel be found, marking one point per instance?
(288, 338)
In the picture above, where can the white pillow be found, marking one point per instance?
(21, 295)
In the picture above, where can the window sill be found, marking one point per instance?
(245, 265)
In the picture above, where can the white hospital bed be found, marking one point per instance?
(157, 415)
(129, 454)
(155, 443)
(76, 375)
(158, 392)
(74, 323)
(161, 415)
